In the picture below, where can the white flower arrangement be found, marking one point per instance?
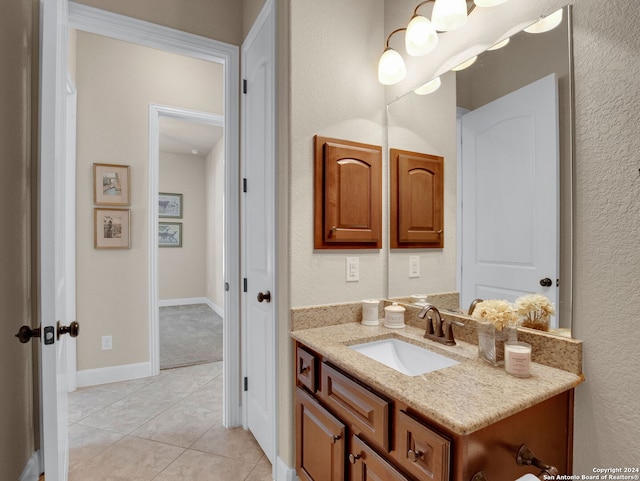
(534, 310)
(500, 313)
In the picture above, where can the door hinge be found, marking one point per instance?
(245, 284)
(244, 185)
(244, 85)
(226, 286)
(246, 384)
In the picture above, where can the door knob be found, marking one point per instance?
(72, 329)
(546, 282)
(264, 296)
(26, 333)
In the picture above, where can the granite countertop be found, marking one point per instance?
(463, 398)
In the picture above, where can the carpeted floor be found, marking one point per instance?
(189, 335)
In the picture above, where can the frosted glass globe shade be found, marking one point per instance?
(499, 44)
(391, 68)
(449, 15)
(429, 87)
(465, 64)
(420, 37)
(547, 23)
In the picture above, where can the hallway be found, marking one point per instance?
(161, 428)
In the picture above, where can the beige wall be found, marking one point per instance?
(18, 87)
(182, 270)
(607, 230)
(334, 93)
(116, 83)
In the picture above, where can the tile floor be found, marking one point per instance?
(162, 428)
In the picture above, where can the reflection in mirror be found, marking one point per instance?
(432, 124)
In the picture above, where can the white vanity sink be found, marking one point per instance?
(404, 357)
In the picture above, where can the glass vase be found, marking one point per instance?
(491, 342)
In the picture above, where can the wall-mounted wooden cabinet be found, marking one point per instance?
(417, 200)
(347, 195)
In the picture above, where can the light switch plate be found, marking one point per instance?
(414, 267)
(107, 343)
(353, 269)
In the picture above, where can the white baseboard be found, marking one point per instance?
(284, 472)
(104, 375)
(31, 471)
(187, 301)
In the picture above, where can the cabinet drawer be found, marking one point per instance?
(366, 412)
(306, 372)
(420, 450)
(367, 465)
(320, 441)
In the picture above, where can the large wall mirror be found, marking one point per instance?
(496, 217)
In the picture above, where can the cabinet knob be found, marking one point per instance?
(414, 455)
(335, 438)
(354, 457)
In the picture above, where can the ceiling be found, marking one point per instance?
(178, 136)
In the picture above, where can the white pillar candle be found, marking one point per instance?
(370, 312)
(517, 358)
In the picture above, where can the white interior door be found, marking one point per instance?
(52, 214)
(258, 166)
(510, 196)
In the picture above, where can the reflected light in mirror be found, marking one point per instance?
(429, 87)
(391, 67)
(420, 37)
(500, 44)
(465, 64)
(548, 23)
(449, 15)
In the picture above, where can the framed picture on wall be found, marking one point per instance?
(170, 234)
(170, 205)
(112, 228)
(111, 185)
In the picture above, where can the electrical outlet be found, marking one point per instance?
(414, 267)
(353, 269)
(107, 343)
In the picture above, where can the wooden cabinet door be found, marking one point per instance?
(367, 465)
(320, 441)
(420, 450)
(348, 194)
(417, 200)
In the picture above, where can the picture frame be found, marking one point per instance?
(170, 205)
(169, 234)
(111, 184)
(112, 228)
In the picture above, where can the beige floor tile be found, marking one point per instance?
(180, 425)
(126, 415)
(172, 388)
(130, 459)
(209, 370)
(233, 443)
(198, 466)
(262, 471)
(86, 442)
(86, 401)
(209, 395)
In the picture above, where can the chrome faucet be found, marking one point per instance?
(473, 305)
(438, 328)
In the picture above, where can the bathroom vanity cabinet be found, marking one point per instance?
(346, 430)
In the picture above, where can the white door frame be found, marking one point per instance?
(131, 30)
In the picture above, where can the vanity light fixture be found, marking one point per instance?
(391, 67)
(465, 64)
(547, 23)
(499, 44)
(429, 87)
(421, 37)
(449, 15)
